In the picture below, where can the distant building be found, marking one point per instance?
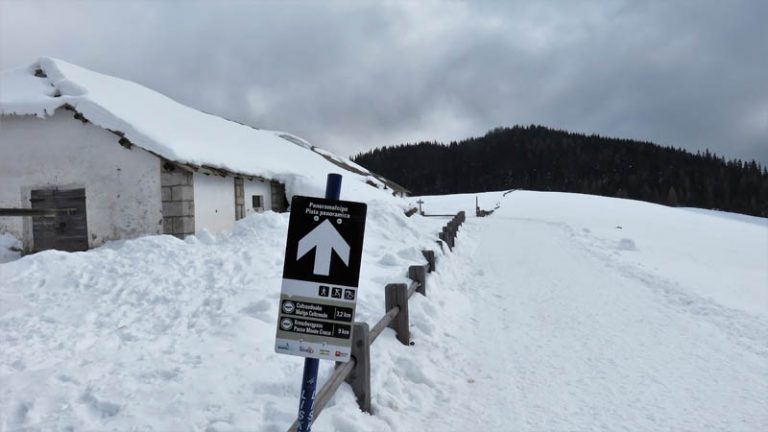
(122, 161)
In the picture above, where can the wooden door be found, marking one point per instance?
(68, 231)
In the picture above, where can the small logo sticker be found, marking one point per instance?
(286, 324)
(289, 307)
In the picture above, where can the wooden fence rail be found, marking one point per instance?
(357, 371)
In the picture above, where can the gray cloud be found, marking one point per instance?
(352, 76)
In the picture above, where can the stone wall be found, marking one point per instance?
(178, 201)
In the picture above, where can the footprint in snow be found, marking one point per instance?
(389, 260)
(100, 408)
(260, 310)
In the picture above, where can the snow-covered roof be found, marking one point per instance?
(169, 129)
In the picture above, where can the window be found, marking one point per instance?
(258, 202)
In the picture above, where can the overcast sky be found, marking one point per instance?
(350, 76)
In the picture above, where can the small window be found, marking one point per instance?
(258, 202)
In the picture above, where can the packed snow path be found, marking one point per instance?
(562, 331)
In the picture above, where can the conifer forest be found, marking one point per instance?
(539, 158)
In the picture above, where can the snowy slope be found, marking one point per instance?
(546, 317)
(588, 313)
(163, 334)
(10, 248)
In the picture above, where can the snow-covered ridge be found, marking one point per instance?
(173, 131)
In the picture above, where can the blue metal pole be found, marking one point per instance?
(333, 187)
(307, 398)
(309, 379)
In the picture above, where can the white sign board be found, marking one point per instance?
(320, 278)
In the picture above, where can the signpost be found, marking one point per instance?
(320, 281)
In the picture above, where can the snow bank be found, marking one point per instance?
(163, 334)
(10, 248)
(174, 131)
(557, 312)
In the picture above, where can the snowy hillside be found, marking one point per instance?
(606, 314)
(558, 312)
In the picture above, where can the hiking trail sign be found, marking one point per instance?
(320, 278)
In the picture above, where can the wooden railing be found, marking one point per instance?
(357, 371)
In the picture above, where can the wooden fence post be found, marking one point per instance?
(360, 377)
(430, 257)
(446, 237)
(418, 273)
(396, 295)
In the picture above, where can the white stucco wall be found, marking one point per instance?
(122, 186)
(214, 202)
(256, 187)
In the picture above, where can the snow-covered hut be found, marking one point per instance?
(119, 161)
